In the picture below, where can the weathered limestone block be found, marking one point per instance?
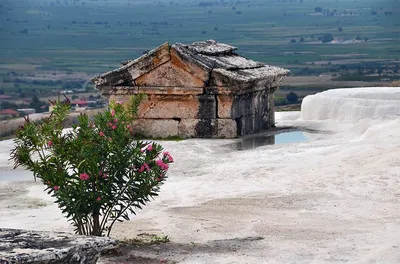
(124, 90)
(250, 104)
(121, 91)
(199, 128)
(23, 246)
(225, 105)
(157, 128)
(178, 107)
(170, 90)
(251, 124)
(227, 128)
(169, 74)
(207, 106)
(187, 128)
(173, 106)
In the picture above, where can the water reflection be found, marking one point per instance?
(263, 140)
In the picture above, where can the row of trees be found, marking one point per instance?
(64, 84)
(334, 12)
(328, 38)
(325, 38)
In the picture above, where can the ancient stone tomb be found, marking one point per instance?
(200, 90)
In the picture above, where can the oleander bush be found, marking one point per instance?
(97, 171)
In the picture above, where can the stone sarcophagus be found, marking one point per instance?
(201, 90)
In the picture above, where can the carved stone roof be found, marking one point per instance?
(228, 63)
(213, 63)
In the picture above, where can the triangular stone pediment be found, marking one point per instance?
(169, 75)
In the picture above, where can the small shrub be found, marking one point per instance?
(292, 97)
(97, 171)
(146, 239)
(327, 38)
(318, 9)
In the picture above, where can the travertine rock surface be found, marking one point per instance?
(23, 246)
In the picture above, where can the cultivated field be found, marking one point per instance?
(76, 39)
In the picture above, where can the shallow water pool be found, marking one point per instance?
(255, 141)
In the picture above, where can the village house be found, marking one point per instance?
(79, 105)
(203, 90)
(8, 113)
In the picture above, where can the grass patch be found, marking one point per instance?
(146, 239)
(288, 108)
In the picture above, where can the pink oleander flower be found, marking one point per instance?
(84, 176)
(115, 120)
(112, 112)
(101, 134)
(103, 175)
(109, 139)
(119, 102)
(150, 147)
(162, 165)
(168, 156)
(141, 169)
(114, 127)
(56, 188)
(50, 143)
(144, 167)
(98, 199)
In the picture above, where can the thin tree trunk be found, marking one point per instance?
(96, 224)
